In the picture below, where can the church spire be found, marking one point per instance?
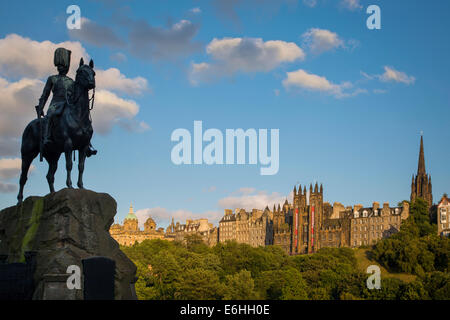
(421, 166)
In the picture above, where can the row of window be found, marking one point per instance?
(376, 220)
(364, 235)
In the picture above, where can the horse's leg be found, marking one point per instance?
(52, 167)
(26, 162)
(81, 160)
(68, 152)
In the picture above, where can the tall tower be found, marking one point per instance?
(421, 183)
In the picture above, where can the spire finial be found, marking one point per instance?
(421, 165)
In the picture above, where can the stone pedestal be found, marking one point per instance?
(62, 229)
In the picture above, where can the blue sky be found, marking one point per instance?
(350, 119)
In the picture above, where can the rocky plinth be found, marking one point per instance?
(62, 229)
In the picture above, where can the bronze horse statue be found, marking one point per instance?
(72, 132)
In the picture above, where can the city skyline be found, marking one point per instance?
(350, 103)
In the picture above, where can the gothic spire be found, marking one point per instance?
(421, 166)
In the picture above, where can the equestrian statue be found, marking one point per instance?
(67, 127)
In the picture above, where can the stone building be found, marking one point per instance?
(307, 218)
(317, 224)
(200, 227)
(421, 183)
(443, 216)
(254, 228)
(227, 227)
(282, 226)
(260, 228)
(368, 225)
(129, 233)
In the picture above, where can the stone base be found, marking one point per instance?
(63, 228)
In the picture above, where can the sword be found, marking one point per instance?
(41, 145)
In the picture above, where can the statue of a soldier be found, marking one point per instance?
(62, 88)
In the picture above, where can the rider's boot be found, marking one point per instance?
(47, 132)
(91, 151)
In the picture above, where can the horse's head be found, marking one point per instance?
(86, 75)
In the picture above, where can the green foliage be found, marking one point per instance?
(232, 271)
(198, 284)
(421, 217)
(416, 248)
(437, 284)
(240, 286)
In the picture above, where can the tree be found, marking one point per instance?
(420, 215)
(437, 284)
(240, 286)
(199, 284)
(284, 284)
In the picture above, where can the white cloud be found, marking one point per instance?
(157, 43)
(196, 10)
(96, 34)
(351, 4)
(308, 81)
(11, 168)
(111, 109)
(118, 57)
(210, 189)
(232, 55)
(250, 198)
(23, 57)
(163, 216)
(17, 106)
(7, 187)
(321, 40)
(390, 74)
(28, 62)
(310, 3)
(9, 146)
(19, 99)
(114, 80)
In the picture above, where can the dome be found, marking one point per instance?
(131, 215)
